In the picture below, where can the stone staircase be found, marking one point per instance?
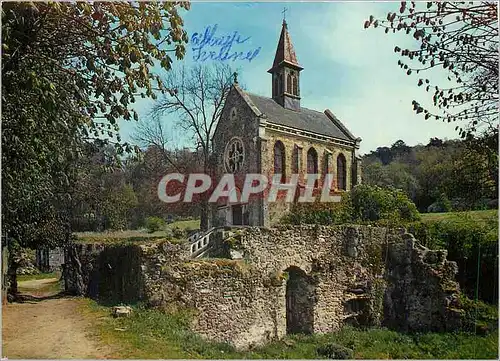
(201, 243)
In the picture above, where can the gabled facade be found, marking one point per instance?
(276, 135)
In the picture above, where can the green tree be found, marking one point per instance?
(396, 175)
(69, 72)
(119, 206)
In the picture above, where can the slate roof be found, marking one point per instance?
(306, 119)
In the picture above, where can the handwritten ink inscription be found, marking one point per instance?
(209, 46)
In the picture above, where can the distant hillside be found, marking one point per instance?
(440, 176)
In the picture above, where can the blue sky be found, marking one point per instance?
(348, 69)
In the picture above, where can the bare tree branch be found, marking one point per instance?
(196, 96)
(462, 38)
(152, 133)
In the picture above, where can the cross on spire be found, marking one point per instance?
(284, 14)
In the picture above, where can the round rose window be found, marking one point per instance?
(234, 155)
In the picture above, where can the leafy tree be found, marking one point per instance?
(69, 72)
(461, 170)
(396, 175)
(144, 170)
(435, 142)
(462, 38)
(400, 148)
(102, 199)
(154, 224)
(443, 204)
(384, 154)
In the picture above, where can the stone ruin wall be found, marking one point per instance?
(354, 274)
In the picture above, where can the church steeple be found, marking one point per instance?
(286, 72)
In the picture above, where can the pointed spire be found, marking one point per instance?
(285, 53)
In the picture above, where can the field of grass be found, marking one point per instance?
(488, 216)
(487, 220)
(39, 276)
(42, 284)
(119, 236)
(191, 224)
(134, 236)
(151, 334)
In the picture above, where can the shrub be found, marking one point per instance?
(154, 224)
(319, 213)
(443, 204)
(334, 352)
(178, 232)
(373, 203)
(364, 204)
(479, 316)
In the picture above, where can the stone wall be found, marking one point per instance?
(110, 273)
(422, 293)
(269, 282)
(49, 260)
(241, 120)
(244, 124)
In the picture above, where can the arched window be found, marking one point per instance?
(280, 84)
(276, 85)
(279, 160)
(341, 172)
(289, 84)
(312, 163)
(295, 87)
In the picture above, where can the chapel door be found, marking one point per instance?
(237, 215)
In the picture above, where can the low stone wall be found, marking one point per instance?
(264, 283)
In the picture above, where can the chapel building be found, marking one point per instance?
(256, 134)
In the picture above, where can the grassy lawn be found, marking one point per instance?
(119, 236)
(44, 289)
(150, 334)
(487, 220)
(191, 224)
(39, 276)
(490, 216)
(134, 236)
(41, 284)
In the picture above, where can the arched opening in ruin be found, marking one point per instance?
(300, 301)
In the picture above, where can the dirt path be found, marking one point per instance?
(51, 328)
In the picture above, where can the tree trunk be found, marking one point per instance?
(204, 206)
(12, 290)
(204, 214)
